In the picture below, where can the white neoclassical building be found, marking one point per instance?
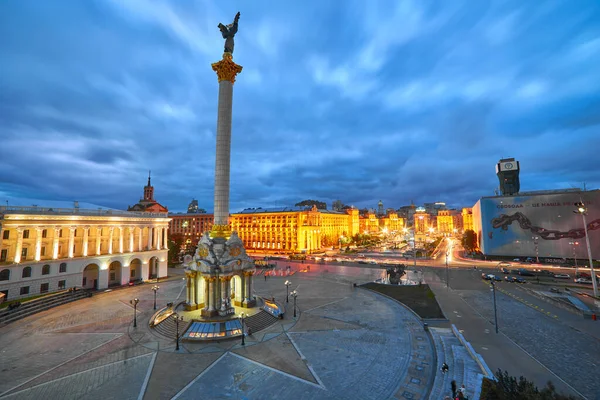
(49, 249)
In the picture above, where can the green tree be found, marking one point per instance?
(175, 245)
(469, 240)
(304, 203)
(507, 387)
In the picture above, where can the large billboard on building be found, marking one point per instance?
(541, 224)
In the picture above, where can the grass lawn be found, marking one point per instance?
(418, 298)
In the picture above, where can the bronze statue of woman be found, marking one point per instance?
(228, 32)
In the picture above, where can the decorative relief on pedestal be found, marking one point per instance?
(226, 69)
(220, 231)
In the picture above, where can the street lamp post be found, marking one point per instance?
(294, 295)
(134, 302)
(242, 316)
(177, 320)
(581, 209)
(495, 309)
(155, 289)
(537, 254)
(287, 291)
(575, 257)
(447, 274)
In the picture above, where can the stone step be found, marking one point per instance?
(260, 321)
(22, 313)
(168, 328)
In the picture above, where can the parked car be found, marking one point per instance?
(517, 259)
(562, 276)
(529, 260)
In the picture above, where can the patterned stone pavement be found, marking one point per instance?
(346, 343)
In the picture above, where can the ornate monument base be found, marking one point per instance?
(220, 275)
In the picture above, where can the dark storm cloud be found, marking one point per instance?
(390, 100)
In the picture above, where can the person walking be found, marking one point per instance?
(444, 368)
(453, 387)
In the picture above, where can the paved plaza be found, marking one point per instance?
(346, 343)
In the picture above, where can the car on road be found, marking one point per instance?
(504, 265)
(518, 279)
(505, 270)
(584, 281)
(517, 259)
(510, 279)
(524, 272)
(562, 276)
(490, 277)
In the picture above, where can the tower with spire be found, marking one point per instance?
(147, 203)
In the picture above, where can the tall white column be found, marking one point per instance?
(38, 243)
(140, 237)
(55, 240)
(120, 228)
(19, 245)
(226, 71)
(110, 239)
(71, 240)
(154, 237)
(206, 293)
(1, 238)
(98, 240)
(86, 234)
(192, 282)
(211, 295)
(131, 231)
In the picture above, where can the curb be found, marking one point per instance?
(476, 356)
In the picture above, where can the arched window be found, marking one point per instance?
(63, 267)
(5, 275)
(46, 270)
(26, 272)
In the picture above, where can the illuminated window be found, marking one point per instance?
(5, 234)
(26, 234)
(44, 233)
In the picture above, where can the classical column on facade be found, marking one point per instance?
(19, 247)
(86, 235)
(98, 240)
(120, 228)
(71, 240)
(55, 240)
(206, 292)
(131, 231)
(211, 294)
(223, 294)
(1, 237)
(110, 239)
(159, 238)
(140, 239)
(149, 241)
(38, 243)
(192, 290)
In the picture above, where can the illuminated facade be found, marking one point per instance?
(49, 249)
(449, 222)
(467, 219)
(285, 230)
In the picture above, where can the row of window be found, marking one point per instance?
(26, 273)
(44, 288)
(6, 233)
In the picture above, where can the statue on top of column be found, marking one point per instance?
(228, 32)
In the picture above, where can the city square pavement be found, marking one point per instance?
(346, 343)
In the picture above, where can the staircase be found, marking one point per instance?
(41, 304)
(168, 328)
(462, 368)
(259, 321)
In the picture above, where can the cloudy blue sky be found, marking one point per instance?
(353, 100)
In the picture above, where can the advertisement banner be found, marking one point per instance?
(538, 225)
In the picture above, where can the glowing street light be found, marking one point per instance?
(287, 291)
(294, 295)
(177, 319)
(155, 289)
(581, 209)
(134, 302)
